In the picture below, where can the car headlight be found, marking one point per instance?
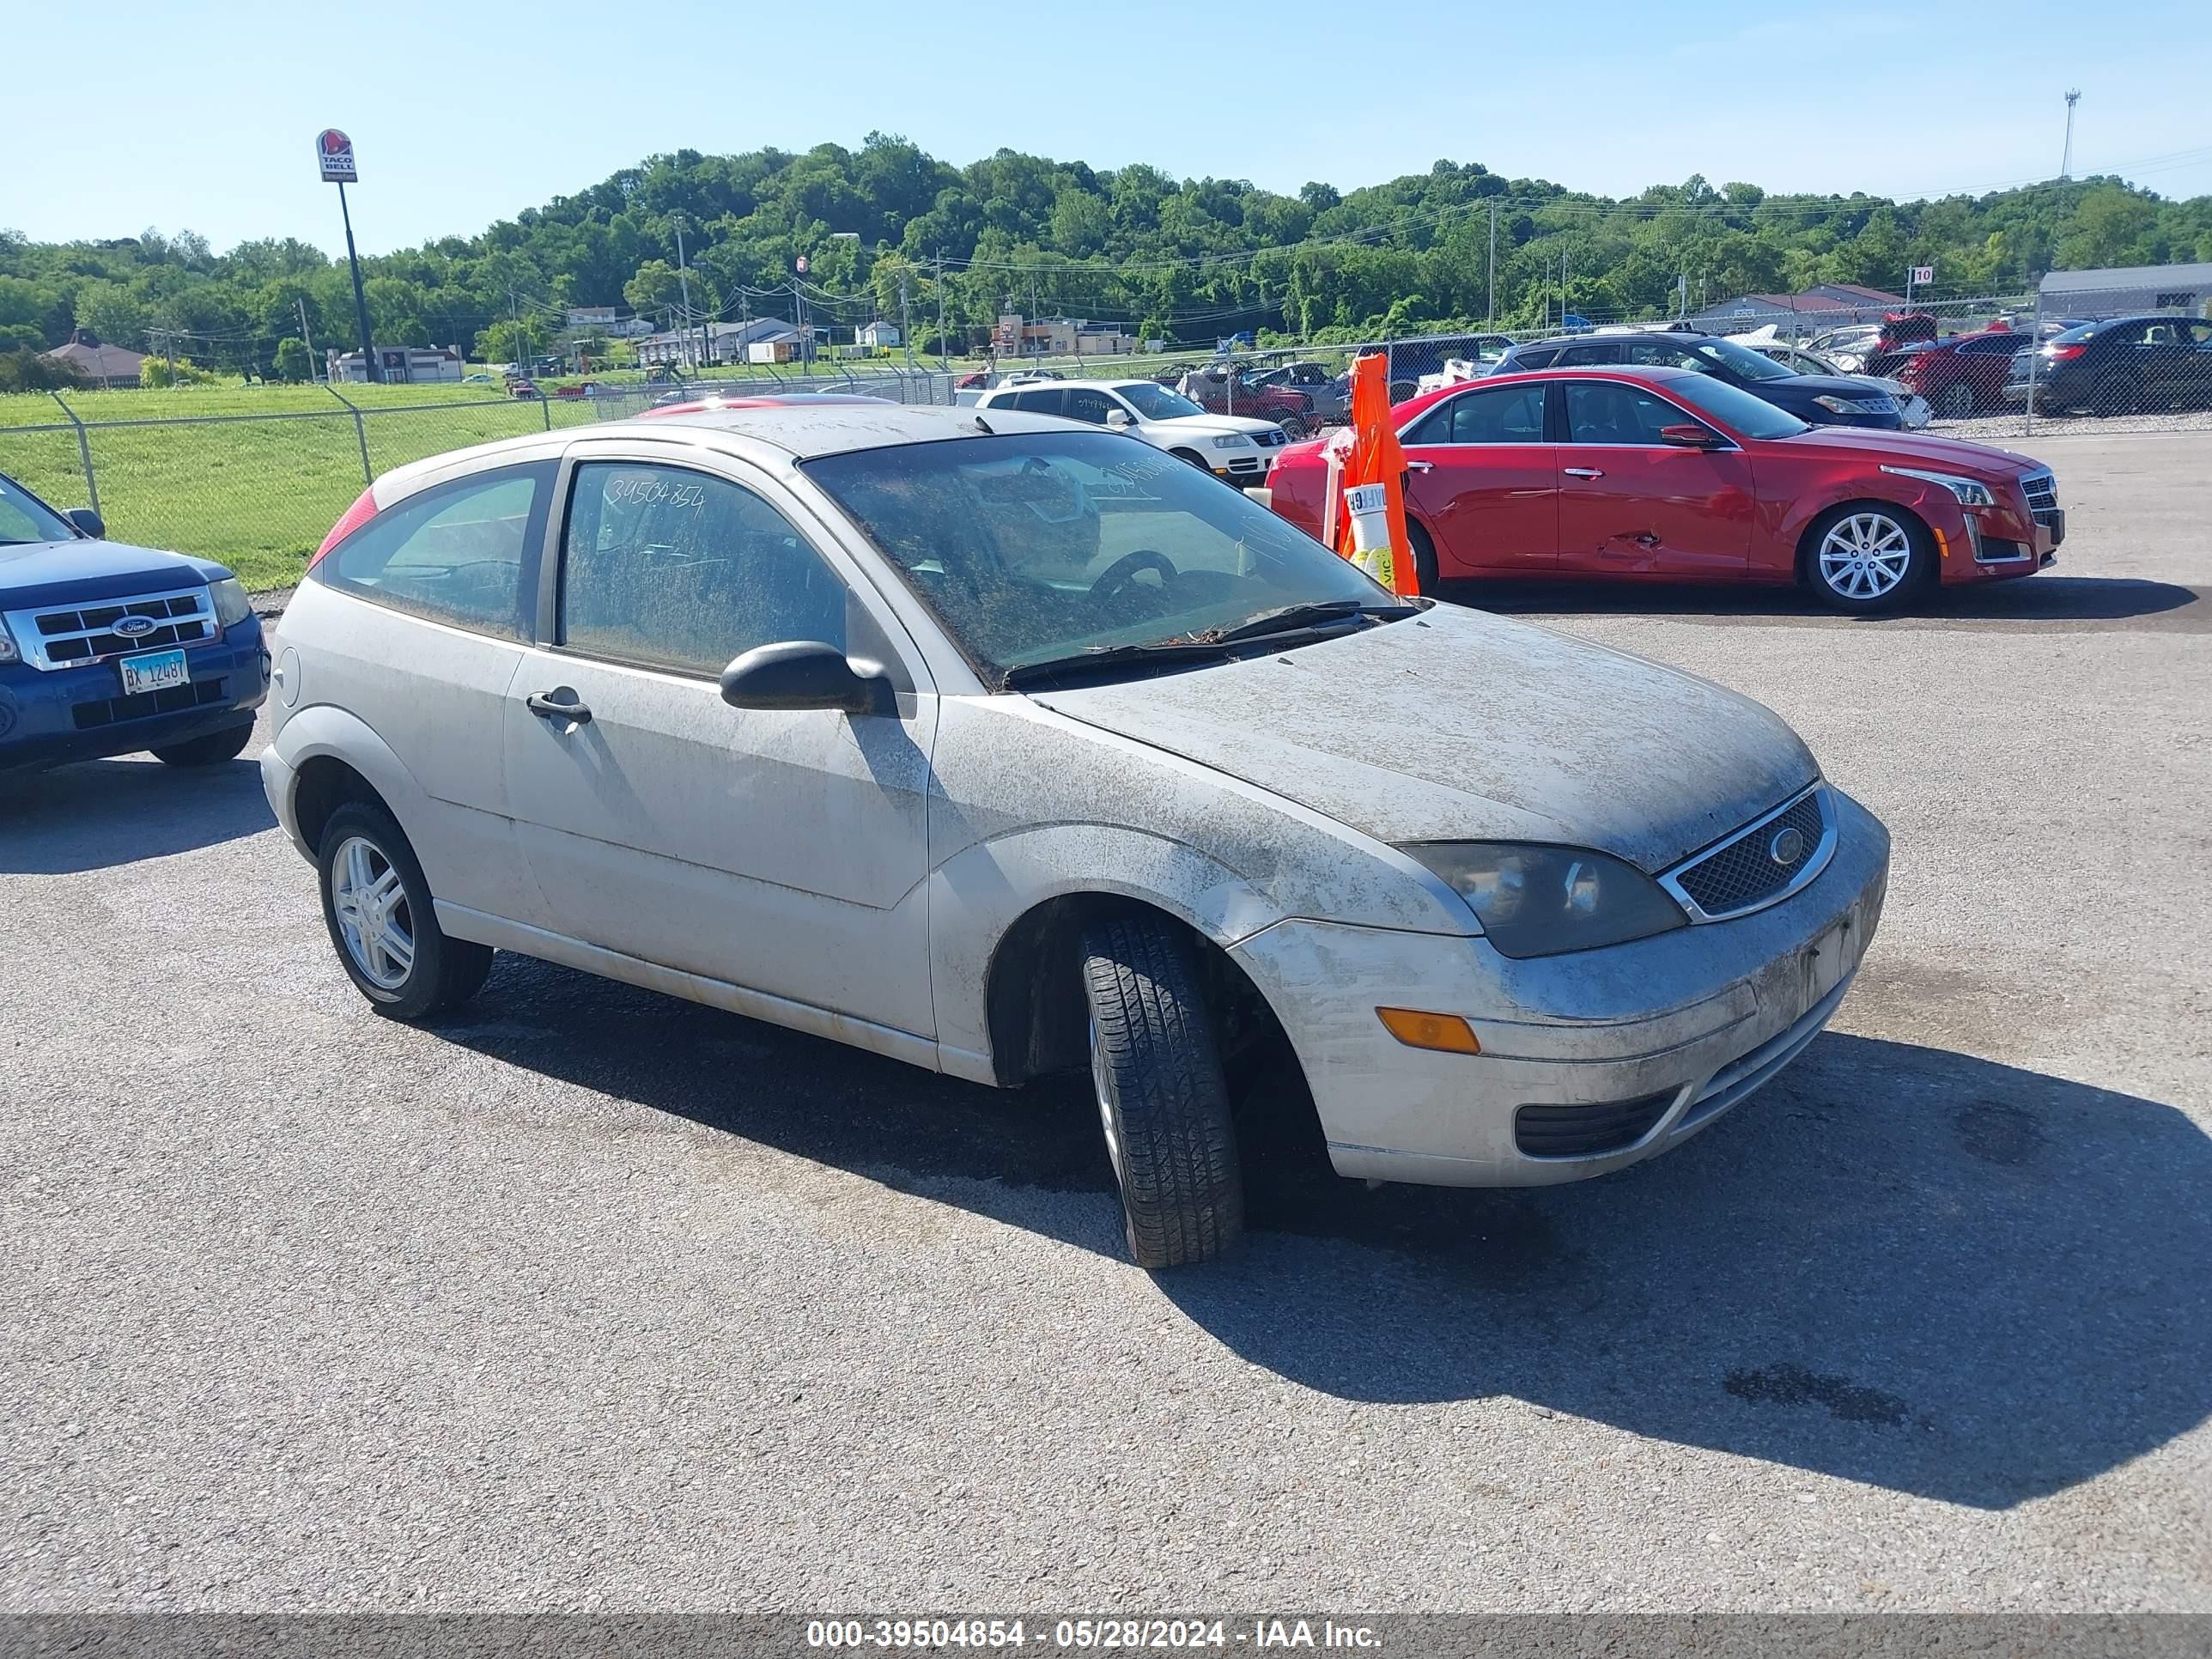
(1232, 441)
(1969, 492)
(1836, 405)
(232, 607)
(1544, 901)
(7, 651)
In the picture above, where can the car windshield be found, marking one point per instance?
(1157, 403)
(24, 518)
(1754, 417)
(1744, 362)
(1031, 547)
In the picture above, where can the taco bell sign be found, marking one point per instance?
(334, 150)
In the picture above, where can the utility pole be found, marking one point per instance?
(2066, 165)
(942, 355)
(1489, 288)
(300, 301)
(515, 322)
(684, 281)
(906, 329)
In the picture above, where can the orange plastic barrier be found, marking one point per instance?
(1367, 453)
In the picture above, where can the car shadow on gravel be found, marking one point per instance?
(1897, 1265)
(2040, 603)
(97, 814)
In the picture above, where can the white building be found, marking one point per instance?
(401, 364)
(2123, 290)
(878, 335)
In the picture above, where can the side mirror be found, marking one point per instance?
(1689, 435)
(1119, 419)
(88, 521)
(807, 674)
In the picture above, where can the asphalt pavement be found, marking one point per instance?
(585, 1298)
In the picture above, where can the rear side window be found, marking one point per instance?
(1607, 412)
(1502, 415)
(1047, 401)
(457, 554)
(1578, 356)
(1539, 357)
(672, 569)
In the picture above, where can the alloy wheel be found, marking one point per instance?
(1865, 556)
(373, 912)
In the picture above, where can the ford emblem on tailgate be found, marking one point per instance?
(136, 628)
(1788, 845)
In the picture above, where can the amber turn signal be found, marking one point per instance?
(1446, 1032)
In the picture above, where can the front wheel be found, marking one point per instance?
(1162, 1101)
(377, 908)
(1867, 557)
(210, 750)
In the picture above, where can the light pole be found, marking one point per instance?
(2066, 162)
(683, 283)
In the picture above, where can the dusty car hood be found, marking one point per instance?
(1462, 725)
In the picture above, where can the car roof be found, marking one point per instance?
(807, 430)
(1055, 386)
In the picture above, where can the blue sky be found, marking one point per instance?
(206, 113)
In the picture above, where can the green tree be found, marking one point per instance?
(292, 362)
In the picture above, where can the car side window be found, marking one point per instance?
(1089, 403)
(1664, 353)
(1580, 356)
(1045, 401)
(1541, 358)
(454, 554)
(1499, 415)
(1607, 412)
(672, 569)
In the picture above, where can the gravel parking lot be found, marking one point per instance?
(588, 1298)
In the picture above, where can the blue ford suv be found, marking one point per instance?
(108, 650)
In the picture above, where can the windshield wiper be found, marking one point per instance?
(1299, 618)
(1080, 662)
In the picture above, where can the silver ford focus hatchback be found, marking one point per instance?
(1005, 745)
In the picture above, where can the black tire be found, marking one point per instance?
(1918, 572)
(442, 972)
(212, 750)
(1294, 428)
(1162, 1101)
(1425, 557)
(1958, 400)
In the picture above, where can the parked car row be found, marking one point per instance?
(996, 740)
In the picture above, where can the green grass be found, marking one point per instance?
(258, 495)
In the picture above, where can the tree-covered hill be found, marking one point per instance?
(1188, 260)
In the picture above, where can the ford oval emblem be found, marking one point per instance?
(1788, 845)
(135, 628)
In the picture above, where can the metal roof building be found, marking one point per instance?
(2121, 290)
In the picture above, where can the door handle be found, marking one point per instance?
(546, 708)
(1583, 471)
(1420, 466)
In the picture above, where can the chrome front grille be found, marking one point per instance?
(1761, 864)
(2042, 490)
(72, 635)
(1271, 439)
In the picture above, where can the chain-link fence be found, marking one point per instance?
(258, 490)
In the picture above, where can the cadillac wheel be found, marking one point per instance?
(1866, 557)
(379, 910)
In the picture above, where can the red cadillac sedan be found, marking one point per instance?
(1667, 474)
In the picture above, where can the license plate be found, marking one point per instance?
(157, 670)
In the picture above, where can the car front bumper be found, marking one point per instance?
(49, 717)
(1662, 1035)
